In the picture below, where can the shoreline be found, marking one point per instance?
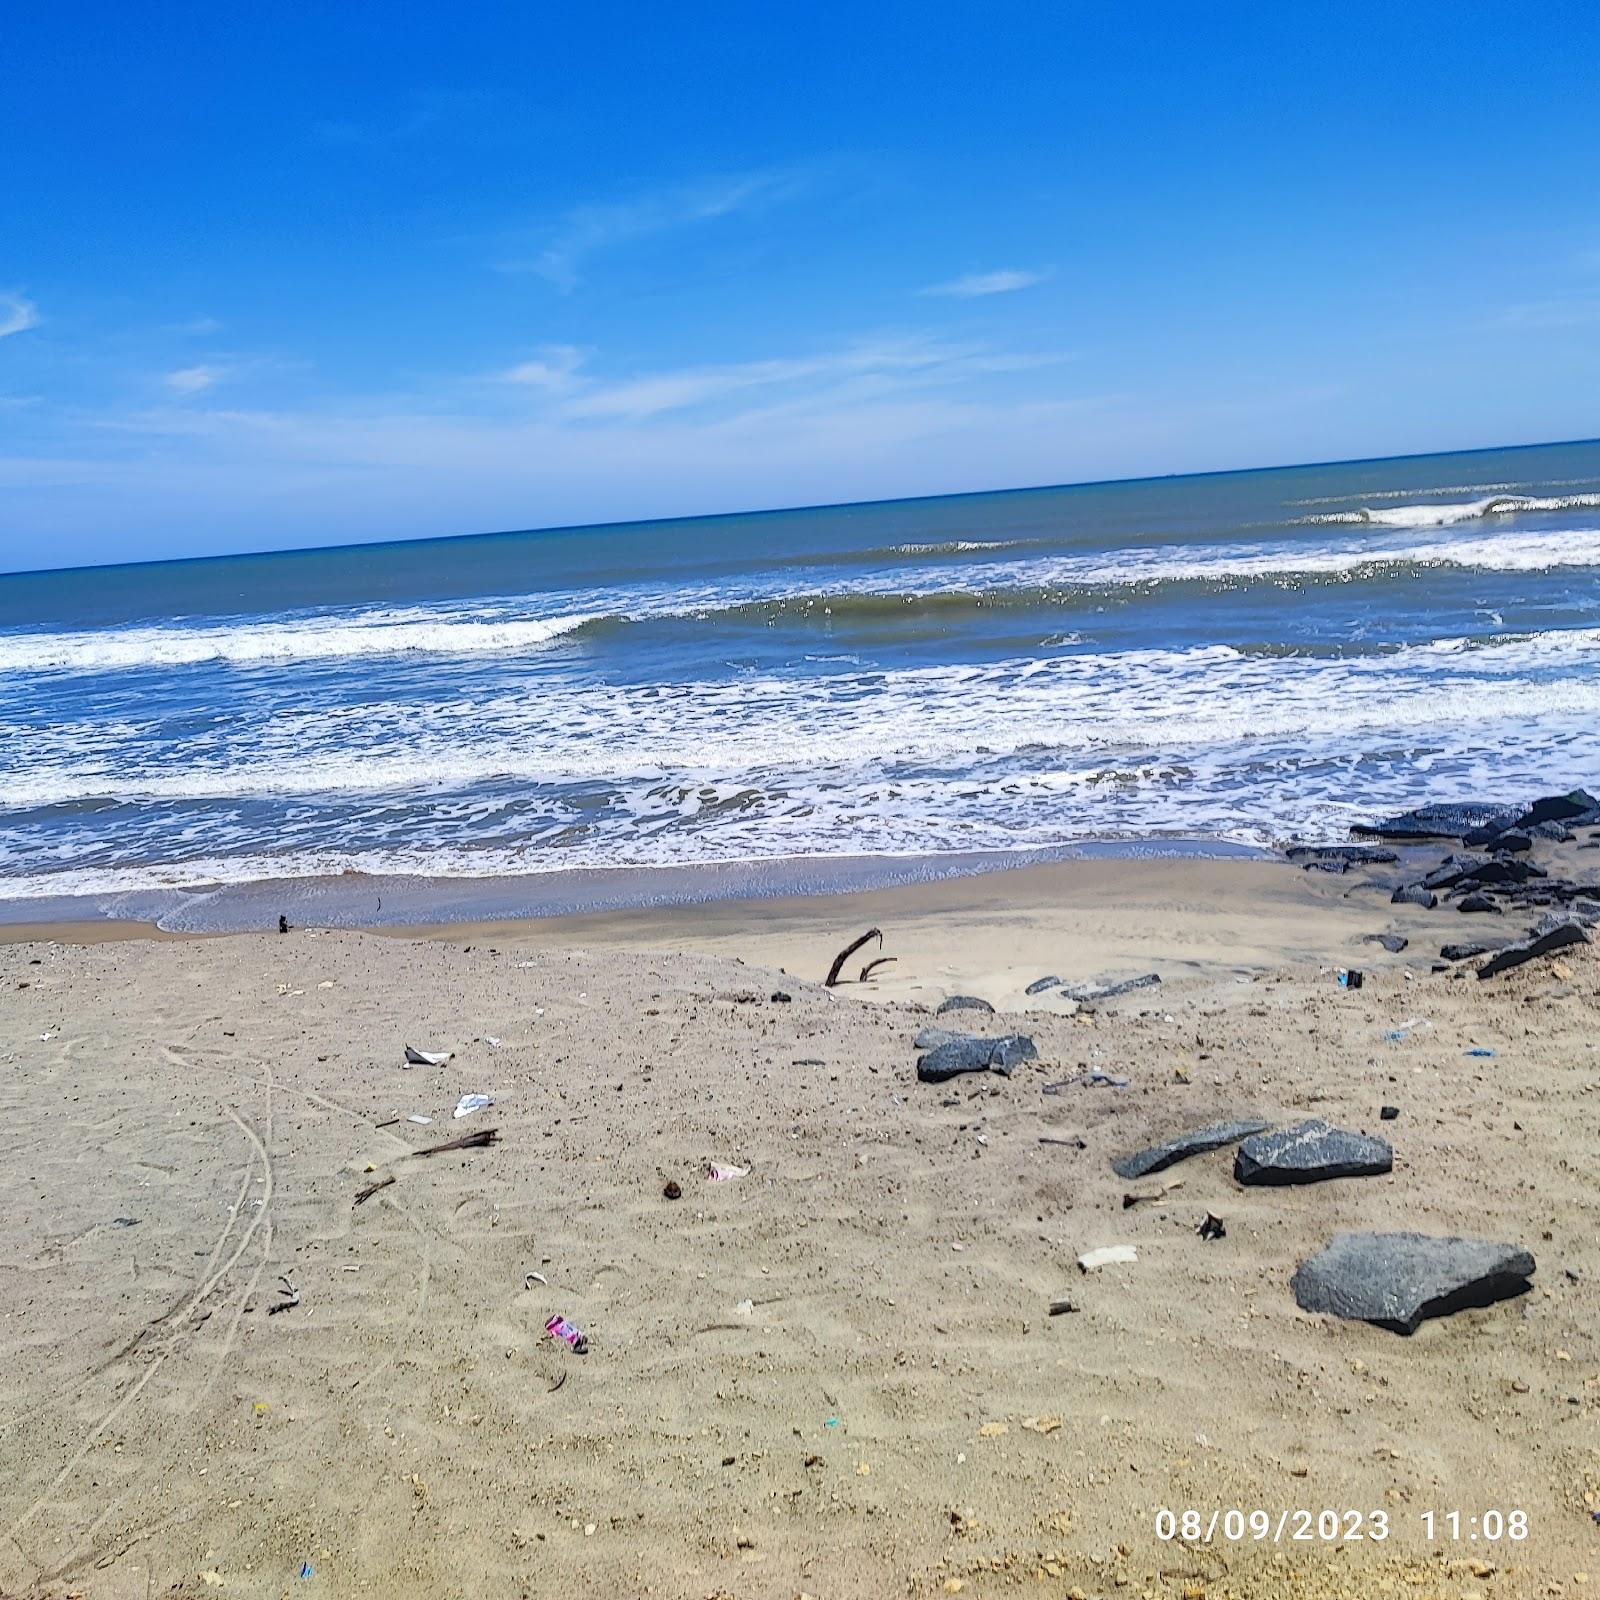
(396, 902)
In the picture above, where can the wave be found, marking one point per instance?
(267, 642)
(1446, 514)
(952, 547)
(762, 730)
(1055, 583)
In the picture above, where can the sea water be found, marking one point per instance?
(1244, 657)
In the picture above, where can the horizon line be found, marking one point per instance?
(789, 510)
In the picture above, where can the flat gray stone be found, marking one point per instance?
(963, 1002)
(1394, 943)
(967, 1054)
(1310, 1152)
(1179, 1148)
(1039, 985)
(1414, 894)
(1397, 1280)
(1553, 938)
(931, 1038)
(1106, 991)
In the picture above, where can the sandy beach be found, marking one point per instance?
(837, 1375)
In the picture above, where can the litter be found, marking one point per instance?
(427, 1058)
(1349, 979)
(469, 1103)
(1059, 1308)
(467, 1141)
(1212, 1227)
(1131, 1199)
(1108, 1255)
(424, 1121)
(289, 1296)
(1479, 1051)
(569, 1333)
(492, 1042)
(531, 1278)
(363, 1195)
(720, 1174)
(1102, 1080)
(1409, 1026)
(745, 1308)
(306, 1569)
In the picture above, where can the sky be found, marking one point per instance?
(303, 274)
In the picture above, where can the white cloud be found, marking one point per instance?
(978, 284)
(192, 380)
(553, 368)
(17, 314)
(590, 229)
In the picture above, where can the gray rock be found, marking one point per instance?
(1557, 832)
(1196, 1142)
(1394, 943)
(1414, 894)
(1436, 822)
(1039, 985)
(1513, 841)
(1472, 872)
(930, 1038)
(967, 1054)
(1355, 855)
(1465, 951)
(1310, 1152)
(1478, 902)
(1107, 991)
(1397, 1280)
(963, 1002)
(1557, 937)
(1558, 808)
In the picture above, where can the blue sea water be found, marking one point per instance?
(1245, 657)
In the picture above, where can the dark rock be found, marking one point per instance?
(1511, 842)
(1355, 855)
(1388, 1113)
(1039, 985)
(1437, 822)
(1586, 912)
(1212, 1227)
(1107, 991)
(1179, 1148)
(966, 1054)
(1477, 902)
(1310, 1152)
(931, 1038)
(1397, 1280)
(1556, 832)
(1559, 808)
(963, 1002)
(1394, 943)
(1557, 937)
(673, 1190)
(1414, 894)
(283, 924)
(779, 998)
(1471, 872)
(1465, 951)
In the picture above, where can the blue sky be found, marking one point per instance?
(320, 274)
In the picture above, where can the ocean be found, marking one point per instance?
(1238, 659)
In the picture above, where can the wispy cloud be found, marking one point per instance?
(978, 284)
(553, 368)
(196, 327)
(588, 230)
(194, 380)
(868, 367)
(17, 314)
(1578, 312)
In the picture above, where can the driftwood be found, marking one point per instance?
(848, 951)
(877, 961)
(372, 1188)
(467, 1141)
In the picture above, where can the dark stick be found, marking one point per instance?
(372, 1188)
(467, 1141)
(877, 961)
(389, 1124)
(848, 951)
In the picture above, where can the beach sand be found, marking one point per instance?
(835, 1376)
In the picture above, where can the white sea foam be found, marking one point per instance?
(1446, 514)
(259, 642)
(772, 732)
